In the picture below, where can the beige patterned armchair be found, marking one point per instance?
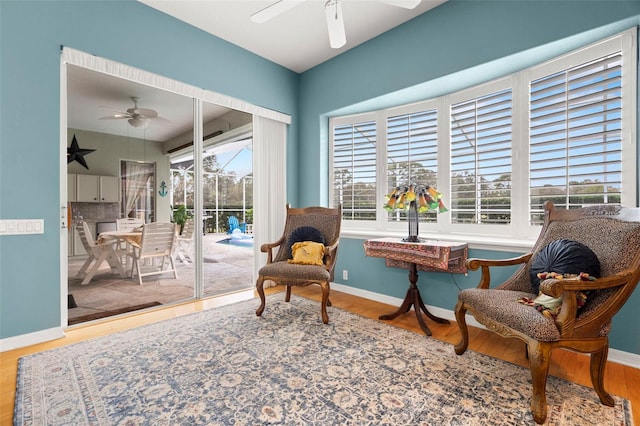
(613, 234)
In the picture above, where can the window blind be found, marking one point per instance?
(575, 149)
(480, 152)
(354, 170)
(412, 149)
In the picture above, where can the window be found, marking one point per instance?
(481, 135)
(354, 170)
(412, 153)
(575, 140)
(561, 131)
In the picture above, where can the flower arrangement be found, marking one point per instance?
(414, 198)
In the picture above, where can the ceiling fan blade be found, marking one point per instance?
(274, 10)
(115, 117)
(148, 113)
(335, 24)
(406, 4)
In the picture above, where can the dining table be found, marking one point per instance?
(131, 236)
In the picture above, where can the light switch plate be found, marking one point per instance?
(21, 226)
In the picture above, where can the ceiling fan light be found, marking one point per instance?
(137, 122)
(335, 24)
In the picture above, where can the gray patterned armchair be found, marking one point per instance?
(613, 234)
(317, 224)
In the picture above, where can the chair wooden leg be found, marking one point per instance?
(461, 311)
(325, 300)
(287, 294)
(85, 265)
(539, 356)
(260, 290)
(94, 268)
(597, 366)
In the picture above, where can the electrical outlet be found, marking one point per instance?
(345, 274)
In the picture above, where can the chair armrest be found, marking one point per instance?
(485, 279)
(329, 255)
(567, 289)
(555, 288)
(268, 248)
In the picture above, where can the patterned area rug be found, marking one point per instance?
(227, 366)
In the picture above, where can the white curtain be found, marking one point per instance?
(136, 178)
(270, 184)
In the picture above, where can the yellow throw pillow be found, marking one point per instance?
(307, 253)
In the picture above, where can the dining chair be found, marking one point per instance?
(183, 249)
(158, 242)
(98, 253)
(125, 250)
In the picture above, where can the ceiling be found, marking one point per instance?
(296, 39)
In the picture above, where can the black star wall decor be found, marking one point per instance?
(75, 153)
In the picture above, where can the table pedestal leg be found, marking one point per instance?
(414, 299)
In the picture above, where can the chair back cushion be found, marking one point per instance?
(304, 233)
(307, 253)
(563, 256)
(322, 219)
(613, 241)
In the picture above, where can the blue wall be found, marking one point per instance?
(456, 45)
(31, 33)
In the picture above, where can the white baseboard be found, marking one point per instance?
(615, 355)
(29, 339)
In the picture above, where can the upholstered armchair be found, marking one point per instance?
(585, 303)
(306, 253)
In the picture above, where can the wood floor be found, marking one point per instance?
(619, 380)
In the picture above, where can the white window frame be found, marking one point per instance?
(519, 233)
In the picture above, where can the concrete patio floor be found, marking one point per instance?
(226, 268)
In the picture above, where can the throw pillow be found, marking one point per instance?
(304, 233)
(550, 306)
(563, 257)
(307, 253)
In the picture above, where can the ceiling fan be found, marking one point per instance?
(137, 117)
(333, 11)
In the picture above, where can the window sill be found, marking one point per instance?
(480, 242)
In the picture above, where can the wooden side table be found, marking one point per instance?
(427, 255)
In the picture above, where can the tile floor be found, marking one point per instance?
(227, 268)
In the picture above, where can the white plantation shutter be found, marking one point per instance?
(354, 170)
(575, 120)
(481, 152)
(412, 153)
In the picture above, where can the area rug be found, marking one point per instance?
(226, 366)
(105, 314)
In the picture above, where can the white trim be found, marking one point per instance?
(29, 339)
(483, 242)
(64, 216)
(615, 355)
(116, 69)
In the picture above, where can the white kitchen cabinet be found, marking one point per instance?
(97, 189)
